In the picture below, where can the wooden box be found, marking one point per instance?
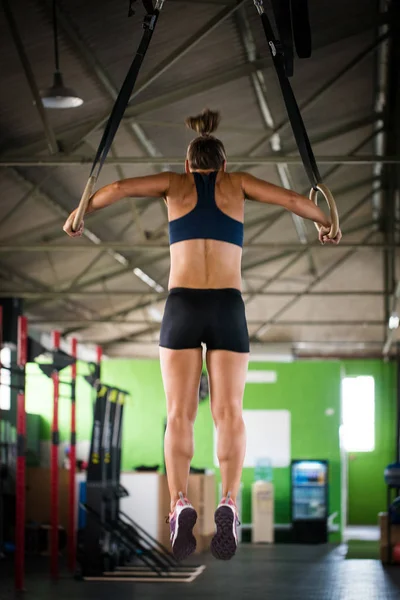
(201, 493)
(394, 532)
(38, 497)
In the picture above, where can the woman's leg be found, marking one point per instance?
(227, 374)
(181, 372)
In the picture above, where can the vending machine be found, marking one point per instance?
(310, 501)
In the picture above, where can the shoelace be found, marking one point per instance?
(183, 500)
(226, 501)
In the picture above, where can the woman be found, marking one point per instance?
(206, 213)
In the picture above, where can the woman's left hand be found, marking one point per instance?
(324, 238)
(68, 226)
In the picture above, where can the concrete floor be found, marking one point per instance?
(280, 572)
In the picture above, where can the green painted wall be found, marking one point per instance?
(145, 413)
(301, 388)
(367, 491)
(39, 401)
(306, 389)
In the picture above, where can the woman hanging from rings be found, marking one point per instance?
(204, 305)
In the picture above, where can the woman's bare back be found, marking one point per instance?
(203, 263)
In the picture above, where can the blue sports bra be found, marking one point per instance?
(206, 220)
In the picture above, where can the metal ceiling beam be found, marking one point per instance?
(222, 129)
(301, 253)
(94, 67)
(109, 88)
(145, 246)
(146, 303)
(217, 2)
(70, 134)
(321, 91)
(280, 213)
(75, 161)
(53, 229)
(91, 265)
(176, 55)
(142, 262)
(206, 84)
(186, 91)
(48, 130)
(76, 133)
(12, 273)
(64, 213)
(307, 291)
(34, 190)
(135, 131)
(82, 293)
(104, 278)
(338, 131)
(327, 174)
(306, 323)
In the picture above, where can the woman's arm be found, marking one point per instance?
(153, 186)
(262, 191)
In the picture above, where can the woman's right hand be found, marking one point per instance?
(68, 226)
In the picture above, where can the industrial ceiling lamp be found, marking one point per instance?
(58, 96)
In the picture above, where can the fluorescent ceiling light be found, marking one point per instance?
(148, 280)
(155, 314)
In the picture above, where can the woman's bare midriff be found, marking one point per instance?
(205, 263)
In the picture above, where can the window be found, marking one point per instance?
(358, 414)
(5, 391)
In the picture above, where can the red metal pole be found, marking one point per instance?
(22, 355)
(55, 440)
(72, 465)
(99, 354)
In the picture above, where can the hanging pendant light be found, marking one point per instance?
(58, 96)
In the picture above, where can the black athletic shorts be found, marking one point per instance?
(214, 317)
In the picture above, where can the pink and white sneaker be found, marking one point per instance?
(181, 523)
(225, 541)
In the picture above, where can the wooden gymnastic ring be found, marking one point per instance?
(325, 191)
(84, 203)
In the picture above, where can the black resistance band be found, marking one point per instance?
(122, 101)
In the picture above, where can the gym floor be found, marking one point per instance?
(282, 572)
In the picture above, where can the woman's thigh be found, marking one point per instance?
(227, 374)
(181, 372)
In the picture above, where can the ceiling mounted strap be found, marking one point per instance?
(131, 10)
(301, 28)
(283, 20)
(149, 6)
(294, 115)
(122, 101)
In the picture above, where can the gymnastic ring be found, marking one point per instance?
(84, 203)
(325, 191)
